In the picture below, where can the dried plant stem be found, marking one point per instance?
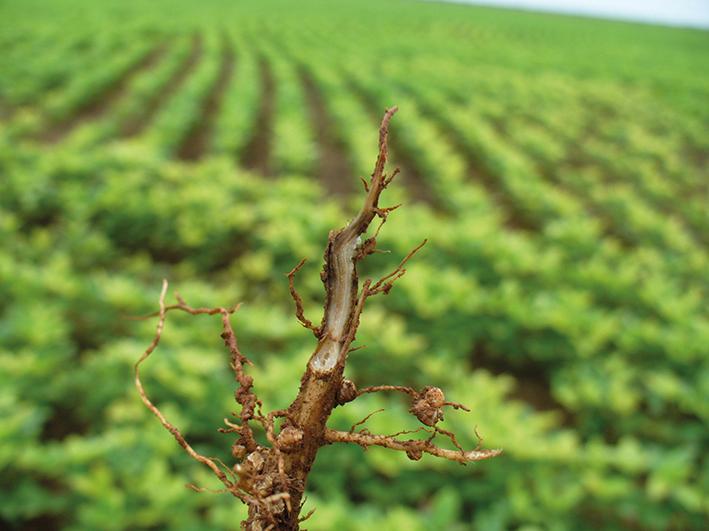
(271, 479)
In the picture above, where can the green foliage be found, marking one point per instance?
(559, 173)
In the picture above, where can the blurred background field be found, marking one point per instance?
(557, 164)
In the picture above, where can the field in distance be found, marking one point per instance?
(557, 164)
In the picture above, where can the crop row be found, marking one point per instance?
(519, 185)
(134, 102)
(516, 183)
(588, 256)
(565, 275)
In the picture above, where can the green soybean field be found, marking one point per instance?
(558, 165)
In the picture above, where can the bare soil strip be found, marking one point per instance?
(532, 377)
(196, 143)
(6, 111)
(101, 103)
(136, 125)
(577, 158)
(257, 153)
(476, 169)
(334, 170)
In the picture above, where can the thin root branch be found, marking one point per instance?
(307, 515)
(379, 388)
(154, 409)
(384, 284)
(414, 448)
(299, 311)
(365, 419)
(195, 488)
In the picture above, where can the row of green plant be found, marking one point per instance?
(183, 109)
(561, 294)
(141, 93)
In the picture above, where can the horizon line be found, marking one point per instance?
(514, 5)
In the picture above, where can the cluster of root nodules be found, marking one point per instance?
(270, 478)
(427, 406)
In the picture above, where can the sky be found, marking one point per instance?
(669, 12)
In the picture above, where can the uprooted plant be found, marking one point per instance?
(271, 478)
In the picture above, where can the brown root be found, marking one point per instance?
(271, 479)
(413, 447)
